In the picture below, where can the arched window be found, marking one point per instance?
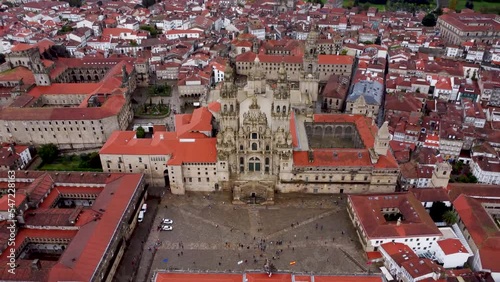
(254, 164)
(284, 109)
(242, 164)
(278, 109)
(225, 108)
(267, 147)
(231, 109)
(266, 165)
(241, 147)
(254, 146)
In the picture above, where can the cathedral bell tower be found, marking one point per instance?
(382, 140)
(281, 101)
(441, 175)
(229, 103)
(311, 51)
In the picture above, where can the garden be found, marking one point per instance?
(160, 90)
(152, 109)
(53, 161)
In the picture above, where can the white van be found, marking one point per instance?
(140, 218)
(144, 207)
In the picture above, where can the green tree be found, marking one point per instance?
(469, 5)
(429, 20)
(438, 11)
(48, 152)
(452, 5)
(450, 217)
(140, 132)
(437, 211)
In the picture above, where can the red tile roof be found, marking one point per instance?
(430, 194)
(451, 246)
(417, 221)
(199, 121)
(399, 252)
(333, 157)
(365, 126)
(187, 277)
(17, 201)
(214, 107)
(335, 60)
(87, 244)
(22, 47)
(110, 84)
(263, 277)
(483, 230)
(194, 148)
(17, 74)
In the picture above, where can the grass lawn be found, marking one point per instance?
(66, 163)
(349, 3)
(479, 4)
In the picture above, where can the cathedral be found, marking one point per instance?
(270, 141)
(263, 137)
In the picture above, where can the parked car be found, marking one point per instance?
(167, 228)
(140, 218)
(167, 221)
(144, 207)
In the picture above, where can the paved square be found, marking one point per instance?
(210, 234)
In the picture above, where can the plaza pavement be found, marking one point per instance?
(211, 234)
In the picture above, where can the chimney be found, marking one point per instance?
(399, 221)
(36, 265)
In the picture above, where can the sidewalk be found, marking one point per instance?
(137, 247)
(148, 253)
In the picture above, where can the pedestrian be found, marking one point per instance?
(342, 232)
(182, 253)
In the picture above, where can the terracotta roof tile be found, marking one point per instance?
(451, 246)
(417, 221)
(335, 60)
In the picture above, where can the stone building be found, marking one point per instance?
(268, 140)
(70, 102)
(317, 58)
(69, 226)
(457, 28)
(366, 98)
(335, 93)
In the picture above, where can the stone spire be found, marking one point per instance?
(228, 72)
(254, 104)
(382, 139)
(124, 74)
